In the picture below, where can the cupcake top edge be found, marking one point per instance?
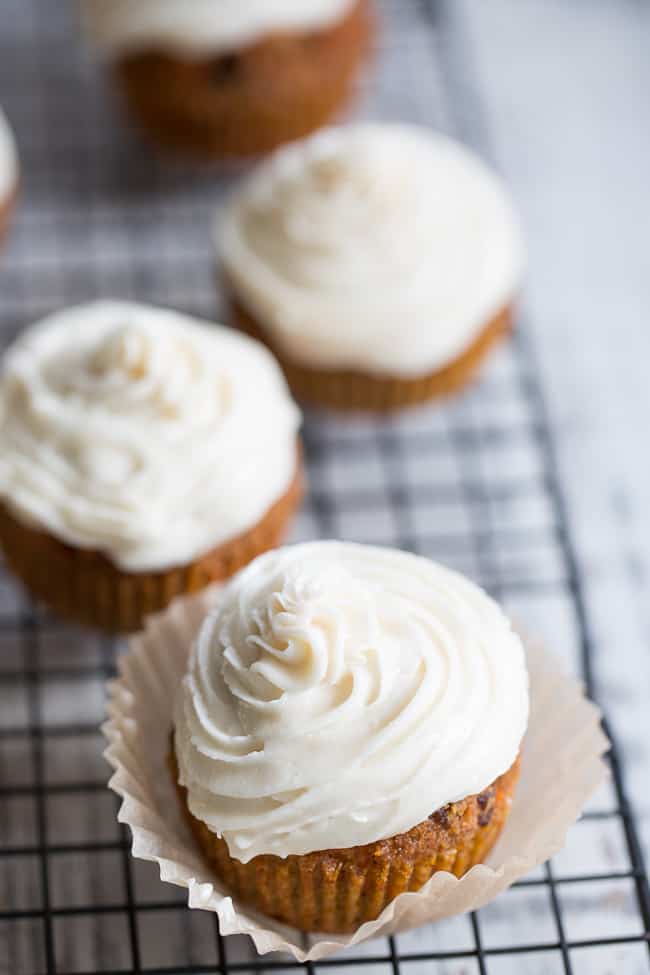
(340, 694)
(8, 157)
(142, 433)
(379, 247)
(200, 27)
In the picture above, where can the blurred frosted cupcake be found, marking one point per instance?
(231, 77)
(350, 724)
(379, 262)
(8, 172)
(143, 455)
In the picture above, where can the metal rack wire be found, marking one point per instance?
(474, 483)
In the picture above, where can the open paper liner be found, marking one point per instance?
(562, 766)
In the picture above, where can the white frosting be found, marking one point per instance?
(201, 27)
(383, 248)
(141, 433)
(339, 694)
(8, 158)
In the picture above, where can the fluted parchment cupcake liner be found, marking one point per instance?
(561, 767)
(247, 102)
(352, 390)
(87, 587)
(338, 890)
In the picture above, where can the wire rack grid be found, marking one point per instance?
(473, 483)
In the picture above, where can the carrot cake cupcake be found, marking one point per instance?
(219, 78)
(380, 262)
(8, 172)
(143, 454)
(350, 723)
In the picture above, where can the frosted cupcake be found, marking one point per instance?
(143, 454)
(230, 78)
(8, 172)
(350, 723)
(379, 262)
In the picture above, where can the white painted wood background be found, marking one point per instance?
(567, 89)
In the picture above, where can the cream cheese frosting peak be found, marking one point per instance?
(339, 694)
(200, 27)
(377, 247)
(8, 158)
(142, 433)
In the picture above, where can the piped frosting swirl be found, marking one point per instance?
(142, 433)
(339, 694)
(382, 248)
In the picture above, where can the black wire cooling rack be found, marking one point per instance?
(473, 482)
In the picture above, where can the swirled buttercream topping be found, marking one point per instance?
(383, 248)
(141, 433)
(339, 694)
(8, 158)
(201, 27)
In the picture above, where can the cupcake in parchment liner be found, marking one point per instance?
(231, 79)
(351, 723)
(9, 173)
(345, 743)
(380, 263)
(143, 455)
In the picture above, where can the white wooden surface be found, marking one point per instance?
(567, 91)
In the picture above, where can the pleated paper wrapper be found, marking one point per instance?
(562, 765)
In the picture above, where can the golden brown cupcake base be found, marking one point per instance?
(6, 208)
(351, 390)
(247, 102)
(87, 587)
(338, 890)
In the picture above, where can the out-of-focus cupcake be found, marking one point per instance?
(143, 455)
(350, 724)
(8, 172)
(219, 78)
(379, 262)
